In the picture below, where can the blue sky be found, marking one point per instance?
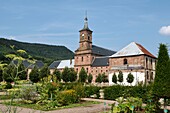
(115, 23)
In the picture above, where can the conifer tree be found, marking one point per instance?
(120, 77)
(114, 78)
(66, 74)
(34, 75)
(130, 78)
(82, 75)
(90, 78)
(161, 86)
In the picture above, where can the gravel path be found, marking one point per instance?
(95, 108)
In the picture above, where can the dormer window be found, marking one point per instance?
(125, 62)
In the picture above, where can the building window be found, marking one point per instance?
(151, 64)
(151, 77)
(82, 59)
(87, 70)
(147, 75)
(146, 63)
(77, 69)
(125, 61)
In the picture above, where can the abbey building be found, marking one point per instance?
(133, 58)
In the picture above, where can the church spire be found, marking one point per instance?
(85, 24)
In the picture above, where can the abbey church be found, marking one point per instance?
(133, 58)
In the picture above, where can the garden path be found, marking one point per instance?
(95, 108)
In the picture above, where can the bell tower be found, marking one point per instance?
(85, 42)
(83, 55)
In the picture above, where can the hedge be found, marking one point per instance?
(91, 90)
(140, 91)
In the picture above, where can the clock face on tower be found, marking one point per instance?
(82, 36)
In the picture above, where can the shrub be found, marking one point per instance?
(8, 86)
(28, 93)
(91, 90)
(79, 88)
(67, 97)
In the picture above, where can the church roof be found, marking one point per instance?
(102, 51)
(39, 65)
(100, 61)
(54, 65)
(133, 49)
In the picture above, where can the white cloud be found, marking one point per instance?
(165, 30)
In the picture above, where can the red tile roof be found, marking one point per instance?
(146, 52)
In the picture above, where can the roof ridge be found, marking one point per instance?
(103, 48)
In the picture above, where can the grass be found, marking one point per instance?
(43, 107)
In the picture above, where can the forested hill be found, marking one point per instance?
(38, 51)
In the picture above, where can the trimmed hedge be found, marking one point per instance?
(140, 91)
(91, 90)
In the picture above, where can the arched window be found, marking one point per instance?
(88, 37)
(125, 61)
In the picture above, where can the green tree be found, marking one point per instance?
(44, 72)
(99, 78)
(72, 75)
(1, 75)
(66, 74)
(104, 78)
(82, 75)
(57, 74)
(34, 75)
(130, 78)
(120, 77)
(23, 74)
(90, 78)
(161, 86)
(9, 73)
(114, 78)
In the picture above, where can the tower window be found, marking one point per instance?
(125, 61)
(88, 37)
(82, 59)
